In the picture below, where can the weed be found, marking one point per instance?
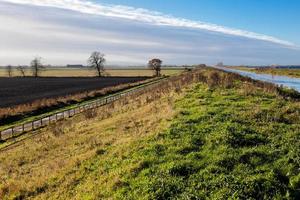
(214, 80)
(100, 151)
(90, 114)
(57, 129)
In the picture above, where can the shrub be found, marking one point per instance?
(228, 80)
(90, 114)
(214, 80)
(57, 129)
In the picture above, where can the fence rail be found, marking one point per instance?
(45, 121)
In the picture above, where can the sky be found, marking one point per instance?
(272, 17)
(130, 32)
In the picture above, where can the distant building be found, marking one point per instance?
(75, 66)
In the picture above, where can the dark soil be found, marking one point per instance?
(15, 91)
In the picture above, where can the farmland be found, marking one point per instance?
(85, 72)
(224, 137)
(25, 98)
(16, 91)
(61, 98)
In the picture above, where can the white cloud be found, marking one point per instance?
(64, 36)
(146, 16)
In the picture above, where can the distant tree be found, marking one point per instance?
(9, 70)
(36, 66)
(21, 69)
(96, 61)
(155, 64)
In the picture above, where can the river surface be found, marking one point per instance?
(286, 81)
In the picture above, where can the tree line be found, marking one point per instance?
(96, 61)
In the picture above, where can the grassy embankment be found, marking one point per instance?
(237, 141)
(273, 71)
(73, 72)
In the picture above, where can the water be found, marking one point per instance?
(286, 81)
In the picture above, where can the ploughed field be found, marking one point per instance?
(15, 91)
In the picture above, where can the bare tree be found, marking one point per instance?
(36, 66)
(155, 64)
(21, 69)
(9, 70)
(96, 61)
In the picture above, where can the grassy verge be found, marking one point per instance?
(238, 141)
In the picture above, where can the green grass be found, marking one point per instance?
(217, 143)
(221, 145)
(221, 148)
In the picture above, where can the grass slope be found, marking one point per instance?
(222, 143)
(49, 165)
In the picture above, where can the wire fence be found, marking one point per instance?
(45, 121)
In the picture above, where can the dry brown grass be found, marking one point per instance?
(35, 166)
(61, 148)
(51, 160)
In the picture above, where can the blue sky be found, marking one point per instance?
(237, 32)
(278, 18)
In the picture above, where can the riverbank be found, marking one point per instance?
(294, 73)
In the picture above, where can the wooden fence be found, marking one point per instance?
(45, 121)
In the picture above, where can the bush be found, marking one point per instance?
(214, 80)
(58, 129)
(90, 114)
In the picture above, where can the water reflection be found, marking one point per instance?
(278, 80)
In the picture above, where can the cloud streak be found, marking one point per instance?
(146, 16)
(64, 36)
